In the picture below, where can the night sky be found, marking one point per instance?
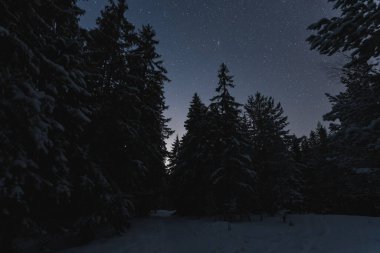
(261, 41)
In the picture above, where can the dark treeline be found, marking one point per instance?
(235, 159)
(82, 128)
(82, 137)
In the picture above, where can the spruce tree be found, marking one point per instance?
(190, 179)
(233, 175)
(321, 177)
(295, 149)
(146, 67)
(114, 135)
(355, 138)
(43, 115)
(358, 106)
(173, 155)
(358, 112)
(128, 79)
(356, 34)
(82, 131)
(278, 178)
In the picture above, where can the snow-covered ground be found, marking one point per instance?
(164, 233)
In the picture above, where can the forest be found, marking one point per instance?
(83, 129)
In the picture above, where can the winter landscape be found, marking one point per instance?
(190, 126)
(307, 233)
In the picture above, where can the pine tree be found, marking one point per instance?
(356, 34)
(321, 177)
(295, 147)
(173, 155)
(233, 175)
(130, 126)
(278, 179)
(196, 116)
(190, 179)
(357, 111)
(355, 138)
(147, 68)
(74, 108)
(114, 136)
(357, 108)
(43, 114)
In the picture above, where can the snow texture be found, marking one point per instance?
(365, 170)
(164, 233)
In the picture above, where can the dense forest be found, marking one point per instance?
(83, 130)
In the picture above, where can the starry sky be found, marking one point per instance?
(261, 41)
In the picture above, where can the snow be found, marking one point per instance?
(17, 192)
(374, 62)
(365, 170)
(164, 233)
(3, 32)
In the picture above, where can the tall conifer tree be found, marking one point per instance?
(43, 115)
(233, 175)
(146, 67)
(190, 179)
(278, 179)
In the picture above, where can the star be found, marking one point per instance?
(263, 43)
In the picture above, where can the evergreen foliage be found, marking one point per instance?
(43, 114)
(355, 112)
(278, 178)
(354, 31)
(83, 130)
(233, 174)
(190, 177)
(173, 155)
